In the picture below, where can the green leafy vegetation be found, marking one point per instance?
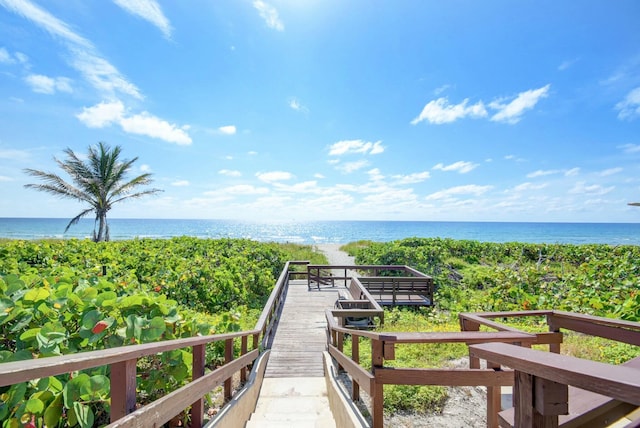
(302, 253)
(473, 276)
(61, 297)
(479, 276)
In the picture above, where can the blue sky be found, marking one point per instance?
(330, 109)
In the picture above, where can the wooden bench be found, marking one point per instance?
(400, 290)
(357, 298)
(585, 408)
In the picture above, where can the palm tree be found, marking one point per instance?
(100, 182)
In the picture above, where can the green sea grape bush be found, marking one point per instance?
(61, 297)
(479, 276)
(69, 314)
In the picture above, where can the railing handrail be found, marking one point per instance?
(24, 370)
(429, 337)
(619, 382)
(166, 407)
(277, 290)
(611, 322)
(368, 267)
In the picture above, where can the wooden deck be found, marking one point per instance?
(301, 335)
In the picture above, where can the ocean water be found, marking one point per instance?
(319, 232)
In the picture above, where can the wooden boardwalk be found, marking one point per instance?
(301, 335)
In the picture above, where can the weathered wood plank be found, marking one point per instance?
(301, 336)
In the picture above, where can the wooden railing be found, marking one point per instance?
(555, 372)
(373, 378)
(122, 363)
(541, 391)
(389, 284)
(383, 347)
(321, 275)
(400, 290)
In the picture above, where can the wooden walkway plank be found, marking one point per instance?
(301, 336)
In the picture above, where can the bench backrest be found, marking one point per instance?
(359, 292)
(382, 286)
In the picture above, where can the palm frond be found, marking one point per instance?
(77, 218)
(100, 181)
(55, 185)
(136, 195)
(123, 189)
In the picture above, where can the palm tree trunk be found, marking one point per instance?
(102, 227)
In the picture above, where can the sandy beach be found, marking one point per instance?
(335, 256)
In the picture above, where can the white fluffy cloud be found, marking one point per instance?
(273, 176)
(5, 57)
(83, 55)
(355, 146)
(461, 166)
(512, 111)
(470, 189)
(227, 130)
(610, 171)
(440, 111)
(108, 113)
(572, 172)
(180, 183)
(102, 114)
(581, 188)
(629, 108)
(102, 75)
(295, 104)
(349, 167)
(630, 148)
(48, 85)
(245, 189)
(148, 10)
(416, 177)
(529, 186)
(542, 173)
(230, 173)
(269, 14)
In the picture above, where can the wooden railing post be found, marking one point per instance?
(538, 401)
(494, 398)
(377, 400)
(553, 347)
(197, 408)
(340, 346)
(355, 356)
(243, 350)
(468, 325)
(123, 389)
(228, 357)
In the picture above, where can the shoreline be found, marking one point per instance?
(330, 232)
